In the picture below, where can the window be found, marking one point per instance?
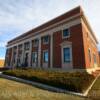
(20, 47)
(66, 54)
(46, 40)
(94, 57)
(34, 57)
(66, 33)
(27, 46)
(35, 42)
(89, 55)
(14, 57)
(45, 56)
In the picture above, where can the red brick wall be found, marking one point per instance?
(89, 44)
(77, 47)
(57, 39)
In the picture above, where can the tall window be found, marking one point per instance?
(45, 39)
(20, 47)
(34, 57)
(66, 55)
(66, 33)
(45, 56)
(14, 57)
(27, 46)
(35, 42)
(94, 57)
(89, 55)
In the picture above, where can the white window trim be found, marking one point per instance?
(43, 56)
(64, 37)
(67, 46)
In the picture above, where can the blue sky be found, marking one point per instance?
(19, 16)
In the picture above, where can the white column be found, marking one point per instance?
(30, 54)
(51, 50)
(22, 58)
(17, 55)
(39, 53)
(11, 64)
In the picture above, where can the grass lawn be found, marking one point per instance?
(11, 90)
(95, 91)
(72, 81)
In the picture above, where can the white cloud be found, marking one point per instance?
(3, 44)
(18, 16)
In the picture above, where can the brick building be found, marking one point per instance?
(66, 43)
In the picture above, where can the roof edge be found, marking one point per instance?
(78, 7)
(88, 25)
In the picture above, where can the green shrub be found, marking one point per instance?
(76, 81)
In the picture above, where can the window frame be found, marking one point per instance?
(64, 37)
(69, 61)
(26, 45)
(35, 44)
(44, 56)
(45, 42)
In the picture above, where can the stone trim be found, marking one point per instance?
(68, 65)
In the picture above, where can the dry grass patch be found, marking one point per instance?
(11, 90)
(94, 93)
(74, 81)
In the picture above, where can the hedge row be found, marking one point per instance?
(76, 81)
